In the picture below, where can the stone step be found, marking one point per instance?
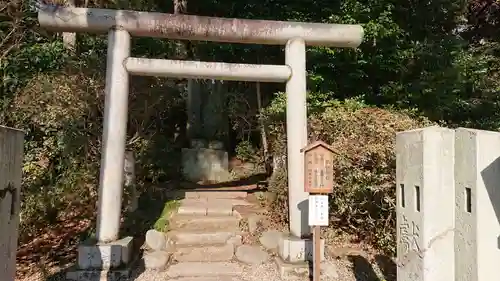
(214, 253)
(201, 237)
(213, 278)
(216, 194)
(204, 207)
(213, 223)
(204, 269)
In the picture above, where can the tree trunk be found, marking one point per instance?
(263, 134)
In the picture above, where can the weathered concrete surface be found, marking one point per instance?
(156, 259)
(192, 207)
(292, 249)
(219, 207)
(205, 164)
(105, 255)
(204, 269)
(200, 238)
(236, 240)
(477, 213)
(190, 27)
(206, 206)
(75, 274)
(425, 185)
(210, 278)
(156, 240)
(271, 239)
(302, 270)
(219, 195)
(251, 254)
(11, 163)
(205, 253)
(195, 223)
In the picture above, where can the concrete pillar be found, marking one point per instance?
(113, 139)
(11, 163)
(477, 213)
(296, 134)
(425, 204)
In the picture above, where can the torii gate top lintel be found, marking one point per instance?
(190, 27)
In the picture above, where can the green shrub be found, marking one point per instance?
(245, 151)
(363, 139)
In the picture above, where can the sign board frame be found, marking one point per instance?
(318, 162)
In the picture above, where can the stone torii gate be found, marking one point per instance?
(121, 25)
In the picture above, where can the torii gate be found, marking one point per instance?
(121, 25)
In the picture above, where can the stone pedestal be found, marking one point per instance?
(103, 261)
(425, 204)
(295, 250)
(205, 164)
(477, 205)
(304, 270)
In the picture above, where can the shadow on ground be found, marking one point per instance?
(364, 270)
(251, 184)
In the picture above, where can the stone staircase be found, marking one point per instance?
(204, 234)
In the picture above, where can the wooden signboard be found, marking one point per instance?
(318, 168)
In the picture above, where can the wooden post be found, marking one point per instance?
(317, 252)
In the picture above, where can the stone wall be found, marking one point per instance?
(11, 157)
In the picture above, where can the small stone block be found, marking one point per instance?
(293, 249)
(205, 269)
(236, 240)
(219, 207)
(105, 255)
(191, 195)
(193, 207)
(303, 270)
(98, 275)
(212, 278)
(202, 238)
(208, 254)
(205, 165)
(127, 249)
(292, 271)
(251, 254)
(223, 194)
(156, 260)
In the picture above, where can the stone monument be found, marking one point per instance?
(206, 159)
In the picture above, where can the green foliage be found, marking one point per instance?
(363, 138)
(162, 223)
(435, 59)
(245, 151)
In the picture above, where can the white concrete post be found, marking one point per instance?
(113, 140)
(11, 164)
(425, 204)
(296, 134)
(477, 213)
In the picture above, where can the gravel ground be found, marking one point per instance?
(355, 268)
(268, 272)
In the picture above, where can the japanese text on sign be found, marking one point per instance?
(318, 168)
(318, 210)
